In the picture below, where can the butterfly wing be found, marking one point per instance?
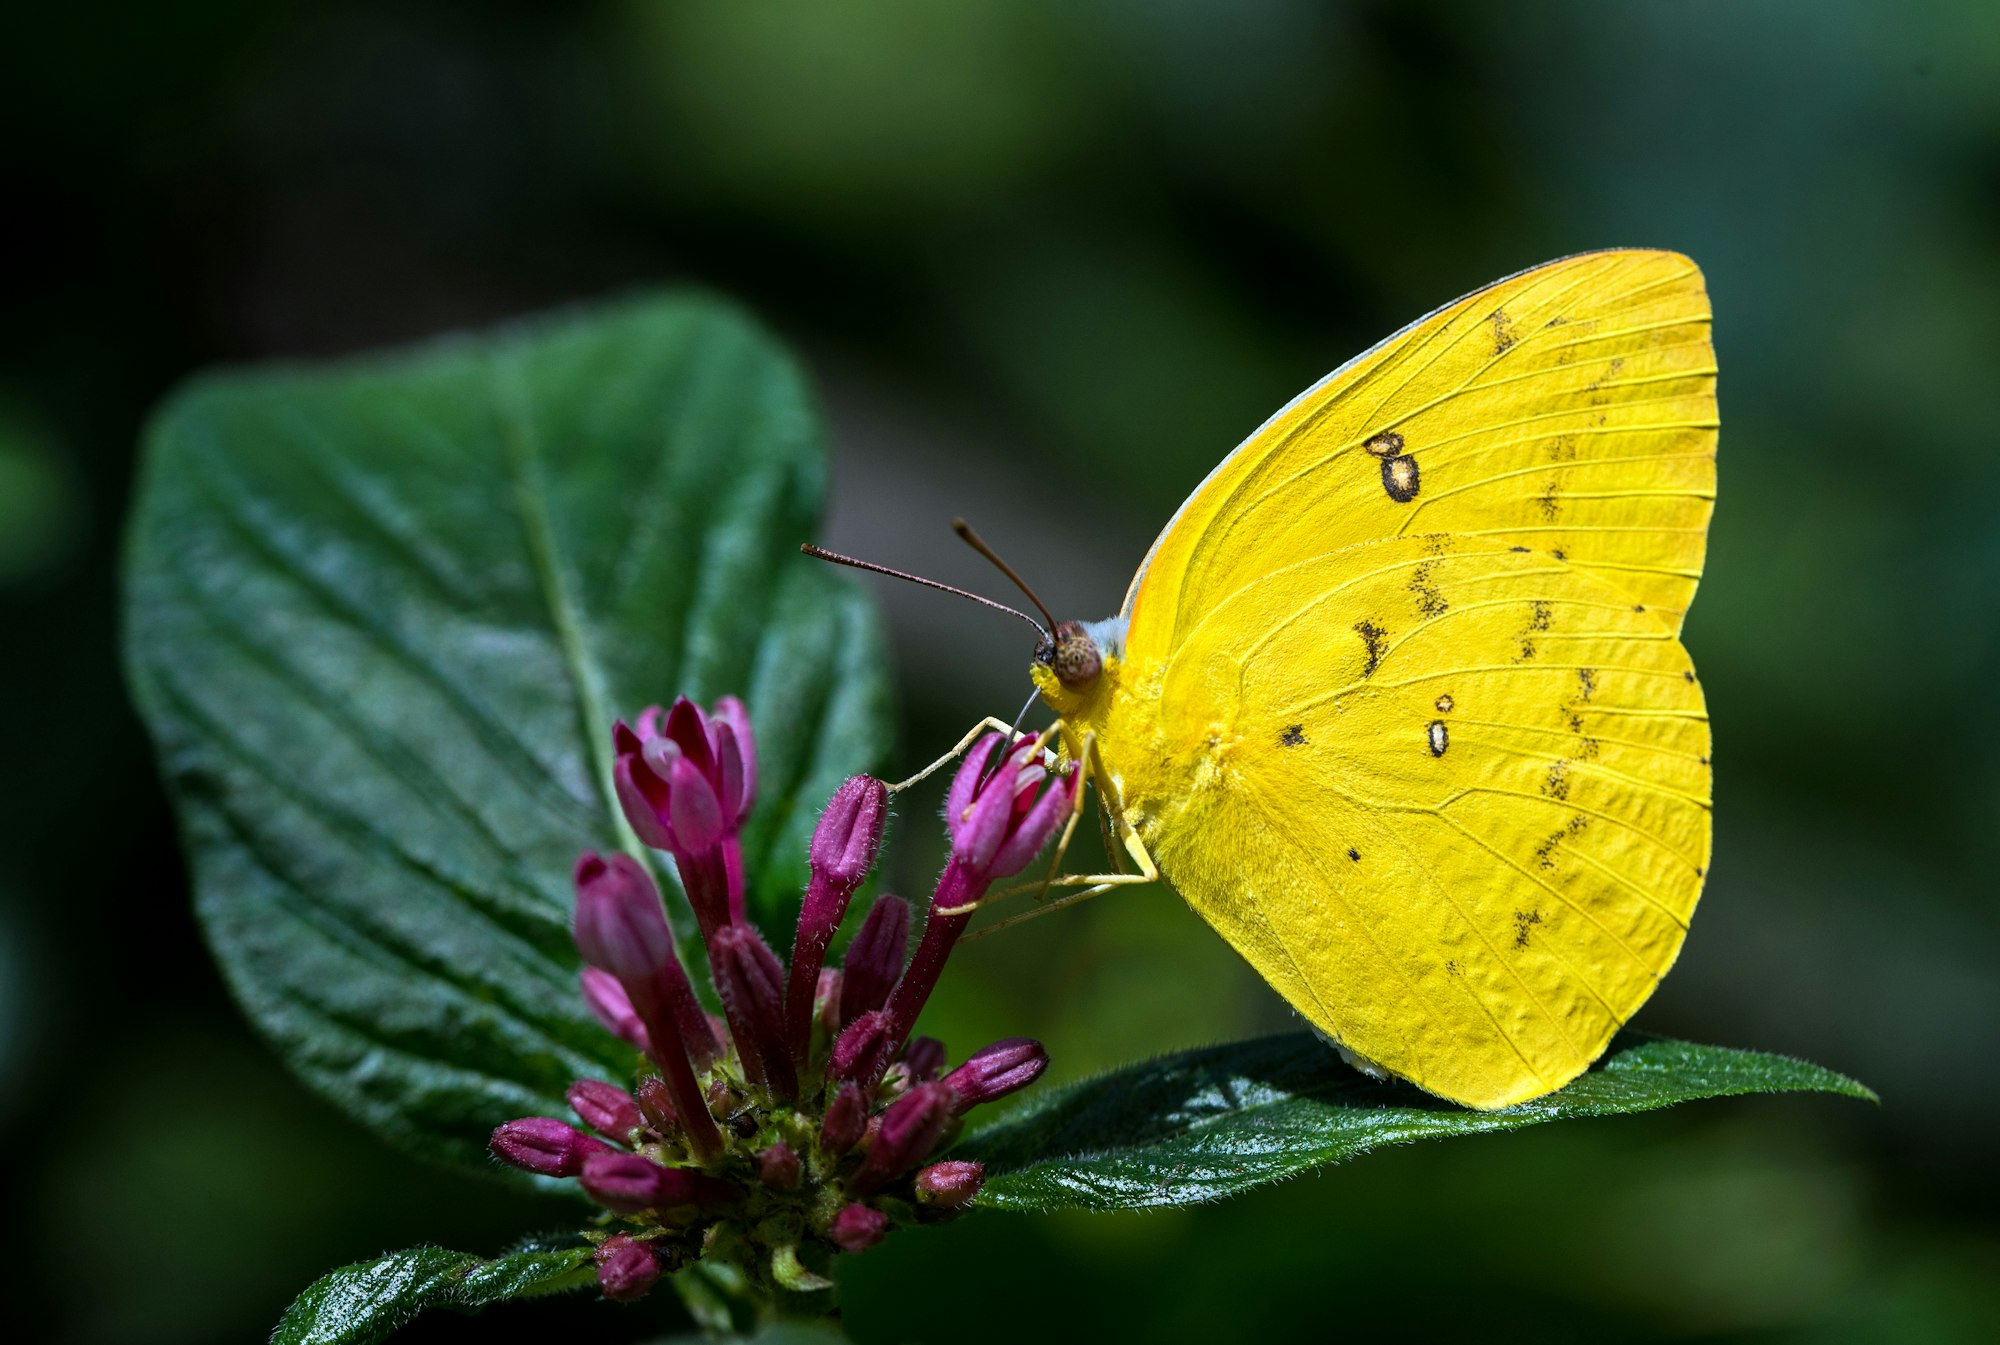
(1465, 796)
(1570, 408)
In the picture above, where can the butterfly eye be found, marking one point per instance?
(1077, 660)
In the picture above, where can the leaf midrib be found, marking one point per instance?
(587, 679)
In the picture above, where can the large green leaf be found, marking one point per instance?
(380, 616)
(1211, 1123)
(365, 1302)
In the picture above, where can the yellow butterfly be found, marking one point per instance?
(1396, 701)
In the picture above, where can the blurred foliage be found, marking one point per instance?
(1051, 260)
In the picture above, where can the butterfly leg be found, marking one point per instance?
(1093, 884)
(1100, 884)
(986, 725)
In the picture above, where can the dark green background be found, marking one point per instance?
(1048, 262)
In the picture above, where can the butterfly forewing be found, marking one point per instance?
(1570, 409)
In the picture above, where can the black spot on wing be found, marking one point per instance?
(1438, 737)
(1545, 853)
(1550, 500)
(1354, 854)
(1423, 586)
(1556, 786)
(1400, 478)
(1503, 331)
(1374, 642)
(1293, 736)
(1540, 614)
(1387, 444)
(1523, 922)
(1444, 703)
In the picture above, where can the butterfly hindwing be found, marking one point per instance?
(1465, 794)
(1570, 409)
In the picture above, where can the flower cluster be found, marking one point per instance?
(803, 1121)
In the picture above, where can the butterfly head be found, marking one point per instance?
(1072, 655)
(1076, 667)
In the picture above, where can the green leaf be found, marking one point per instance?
(380, 616)
(363, 1303)
(1212, 1123)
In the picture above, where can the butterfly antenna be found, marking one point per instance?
(977, 543)
(821, 553)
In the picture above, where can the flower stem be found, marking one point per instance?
(670, 1054)
(956, 887)
(705, 877)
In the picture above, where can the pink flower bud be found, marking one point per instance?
(693, 810)
(856, 1228)
(843, 850)
(910, 1129)
(846, 1120)
(736, 758)
(978, 806)
(751, 983)
(998, 823)
(826, 1000)
(642, 795)
(611, 1006)
(861, 1052)
(951, 1184)
(631, 1183)
(1034, 828)
(686, 781)
(608, 1110)
(656, 1104)
(545, 1146)
(686, 727)
(875, 957)
(849, 833)
(626, 1267)
(923, 1058)
(778, 1167)
(620, 926)
(999, 1069)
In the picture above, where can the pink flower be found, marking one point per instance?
(686, 782)
(694, 1160)
(950, 1185)
(1000, 1069)
(843, 851)
(626, 1267)
(998, 821)
(545, 1146)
